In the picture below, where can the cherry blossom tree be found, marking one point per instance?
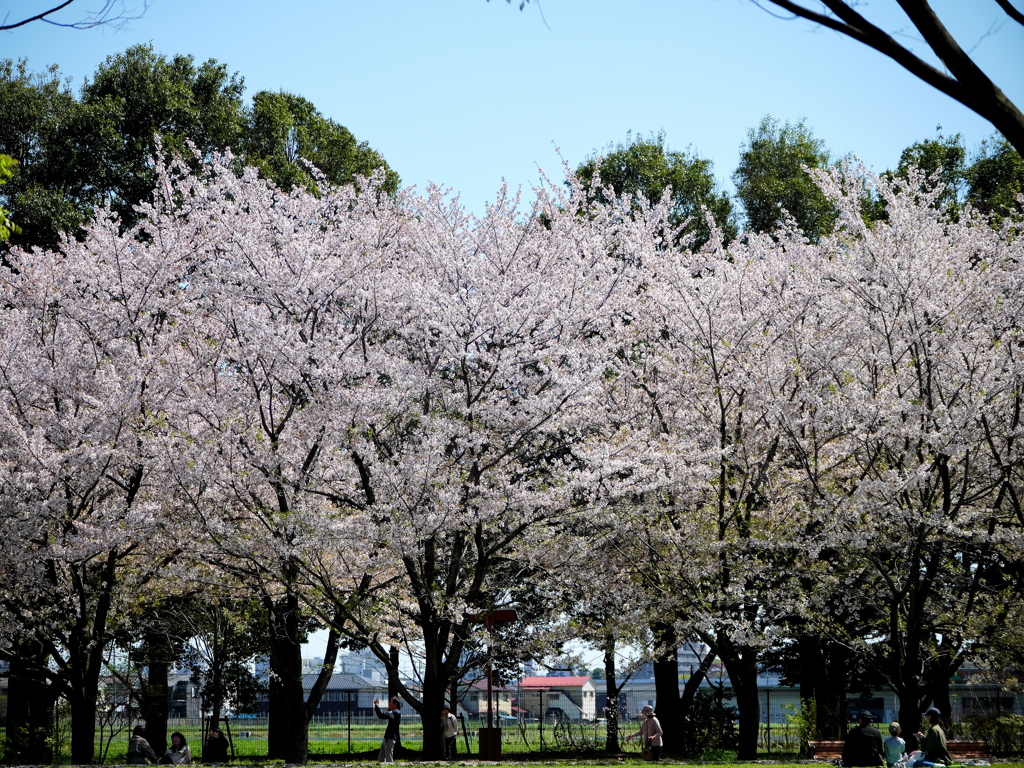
(385, 415)
(87, 367)
(290, 289)
(713, 481)
(907, 425)
(486, 451)
(771, 420)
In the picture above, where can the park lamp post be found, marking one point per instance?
(490, 737)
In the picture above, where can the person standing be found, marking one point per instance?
(450, 729)
(139, 751)
(394, 718)
(863, 747)
(650, 732)
(933, 744)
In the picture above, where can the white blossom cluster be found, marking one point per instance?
(395, 416)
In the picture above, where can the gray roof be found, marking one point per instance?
(344, 682)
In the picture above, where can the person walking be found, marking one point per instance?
(394, 717)
(650, 732)
(450, 729)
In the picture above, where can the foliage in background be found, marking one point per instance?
(79, 150)
(771, 180)
(645, 168)
(996, 181)
(804, 719)
(283, 130)
(7, 226)
(710, 725)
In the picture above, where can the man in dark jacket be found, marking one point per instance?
(216, 749)
(863, 747)
(394, 718)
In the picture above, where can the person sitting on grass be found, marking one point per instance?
(895, 748)
(933, 744)
(863, 745)
(139, 751)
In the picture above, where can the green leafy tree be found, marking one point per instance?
(284, 132)
(942, 159)
(56, 143)
(141, 94)
(645, 167)
(771, 180)
(226, 636)
(7, 165)
(996, 179)
(77, 152)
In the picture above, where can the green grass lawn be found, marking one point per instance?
(570, 761)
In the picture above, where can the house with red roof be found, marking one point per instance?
(565, 698)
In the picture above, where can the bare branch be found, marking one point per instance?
(107, 14)
(1012, 12)
(965, 81)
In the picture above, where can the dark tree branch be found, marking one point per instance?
(105, 15)
(39, 17)
(1012, 12)
(965, 81)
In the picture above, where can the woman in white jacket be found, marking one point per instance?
(650, 732)
(179, 752)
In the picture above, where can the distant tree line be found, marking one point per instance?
(75, 151)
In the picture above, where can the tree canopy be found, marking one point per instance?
(645, 168)
(772, 183)
(76, 151)
(391, 417)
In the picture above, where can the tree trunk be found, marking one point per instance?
(287, 731)
(29, 708)
(690, 688)
(157, 655)
(430, 715)
(666, 684)
(392, 672)
(611, 740)
(741, 664)
(910, 718)
(82, 700)
(85, 662)
(824, 668)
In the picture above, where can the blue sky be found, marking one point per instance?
(468, 92)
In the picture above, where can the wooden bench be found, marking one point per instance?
(833, 750)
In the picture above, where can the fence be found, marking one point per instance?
(339, 734)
